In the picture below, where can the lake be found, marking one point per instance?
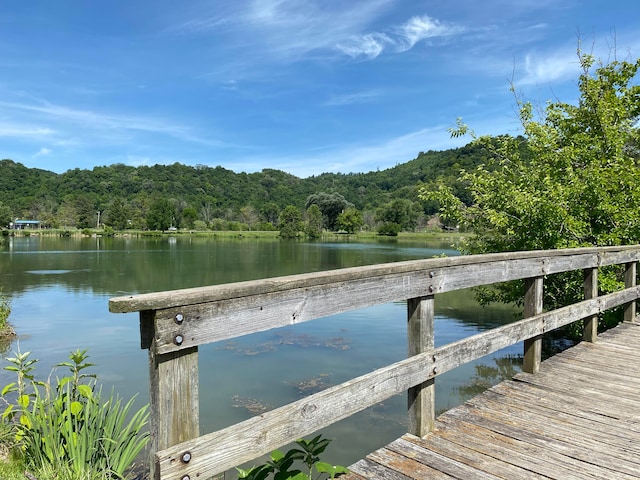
(59, 289)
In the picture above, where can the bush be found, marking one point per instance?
(389, 229)
(69, 427)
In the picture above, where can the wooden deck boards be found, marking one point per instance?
(578, 418)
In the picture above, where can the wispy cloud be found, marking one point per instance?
(352, 98)
(95, 124)
(27, 131)
(398, 39)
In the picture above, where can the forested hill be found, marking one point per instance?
(215, 192)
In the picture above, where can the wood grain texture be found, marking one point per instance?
(215, 452)
(578, 418)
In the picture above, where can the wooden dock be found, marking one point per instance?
(570, 421)
(578, 418)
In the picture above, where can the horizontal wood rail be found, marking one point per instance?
(173, 325)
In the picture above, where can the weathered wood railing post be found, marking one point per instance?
(630, 281)
(420, 338)
(590, 331)
(533, 289)
(173, 394)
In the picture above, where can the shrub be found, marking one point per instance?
(389, 229)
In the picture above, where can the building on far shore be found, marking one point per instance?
(22, 224)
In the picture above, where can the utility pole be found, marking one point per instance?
(98, 224)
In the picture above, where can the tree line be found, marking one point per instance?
(161, 197)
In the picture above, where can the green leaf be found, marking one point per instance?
(23, 401)
(331, 470)
(24, 420)
(8, 388)
(85, 390)
(76, 408)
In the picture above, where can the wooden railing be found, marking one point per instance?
(173, 324)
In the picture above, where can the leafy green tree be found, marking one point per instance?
(161, 214)
(400, 211)
(117, 214)
(189, 216)
(5, 215)
(314, 222)
(579, 185)
(331, 205)
(86, 211)
(290, 222)
(270, 212)
(350, 220)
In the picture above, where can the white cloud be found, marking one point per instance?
(557, 66)
(399, 39)
(421, 28)
(368, 46)
(41, 152)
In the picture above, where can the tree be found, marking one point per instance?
(249, 215)
(87, 214)
(400, 211)
(290, 222)
(579, 186)
(350, 220)
(314, 222)
(189, 216)
(5, 216)
(331, 205)
(161, 214)
(117, 214)
(269, 212)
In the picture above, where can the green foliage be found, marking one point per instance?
(389, 229)
(117, 214)
(400, 211)
(69, 426)
(330, 204)
(289, 466)
(577, 185)
(314, 222)
(290, 224)
(161, 214)
(350, 220)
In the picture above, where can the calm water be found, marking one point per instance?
(59, 290)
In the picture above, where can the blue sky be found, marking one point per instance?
(304, 86)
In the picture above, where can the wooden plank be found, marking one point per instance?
(533, 294)
(562, 433)
(445, 465)
(630, 281)
(227, 320)
(590, 331)
(507, 449)
(534, 447)
(407, 466)
(468, 456)
(421, 399)
(592, 412)
(370, 469)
